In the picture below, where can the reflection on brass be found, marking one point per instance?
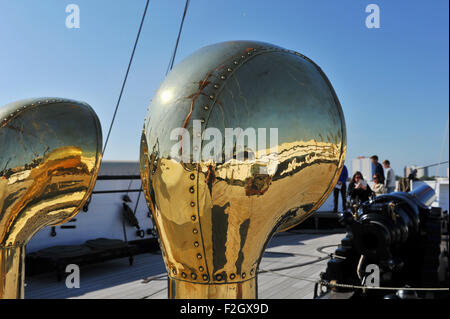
(215, 218)
(50, 152)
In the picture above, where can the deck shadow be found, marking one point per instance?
(96, 277)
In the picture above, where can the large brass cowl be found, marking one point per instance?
(215, 216)
(50, 152)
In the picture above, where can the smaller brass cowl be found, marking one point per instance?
(50, 153)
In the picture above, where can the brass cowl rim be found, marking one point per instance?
(219, 278)
(39, 102)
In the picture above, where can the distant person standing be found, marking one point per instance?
(378, 168)
(341, 187)
(390, 177)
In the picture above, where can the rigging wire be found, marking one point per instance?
(126, 75)
(295, 265)
(170, 66)
(154, 293)
(120, 97)
(334, 284)
(172, 59)
(339, 285)
(300, 278)
(318, 259)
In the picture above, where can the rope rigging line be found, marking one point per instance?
(172, 59)
(120, 98)
(333, 284)
(295, 265)
(338, 285)
(126, 76)
(330, 284)
(300, 278)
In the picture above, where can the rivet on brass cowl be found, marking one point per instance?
(238, 204)
(50, 153)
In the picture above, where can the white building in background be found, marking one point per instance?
(421, 171)
(406, 171)
(364, 165)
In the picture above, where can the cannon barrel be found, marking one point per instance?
(390, 221)
(424, 194)
(400, 233)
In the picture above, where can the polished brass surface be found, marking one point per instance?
(50, 153)
(215, 217)
(179, 289)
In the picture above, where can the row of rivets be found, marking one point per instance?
(30, 105)
(211, 97)
(219, 277)
(37, 103)
(192, 191)
(193, 275)
(224, 77)
(11, 245)
(192, 176)
(195, 232)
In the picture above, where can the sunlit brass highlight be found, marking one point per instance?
(50, 153)
(215, 218)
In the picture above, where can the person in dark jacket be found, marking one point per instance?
(341, 187)
(378, 168)
(358, 189)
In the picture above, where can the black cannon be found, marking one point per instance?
(401, 235)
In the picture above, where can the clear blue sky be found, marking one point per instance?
(392, 82)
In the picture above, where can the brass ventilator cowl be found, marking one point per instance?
(216, 215)
(50, 153)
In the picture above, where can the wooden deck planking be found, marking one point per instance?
(117, 280)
